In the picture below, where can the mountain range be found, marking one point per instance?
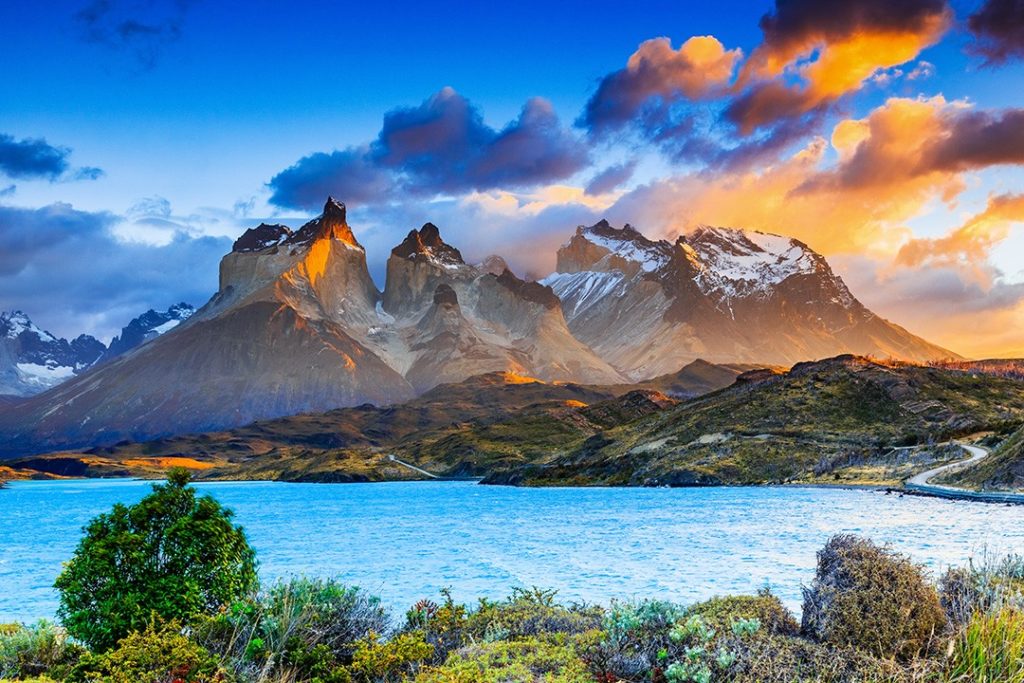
(298, 325)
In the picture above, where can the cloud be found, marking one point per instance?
(141, 28)
(440, 147)
(906, 139)
(611, 178)
(998, 26)
(817, 51)
(71, 274)
(36, 159)
(969, 245)
(656, 76)
(32, 158)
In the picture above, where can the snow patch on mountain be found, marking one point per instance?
(584, 289)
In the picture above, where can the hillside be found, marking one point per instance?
(830, 421)
(1002, 470)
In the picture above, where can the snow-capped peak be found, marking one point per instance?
(734, 263)
(15, 323)
(426, 244)
(626, 243)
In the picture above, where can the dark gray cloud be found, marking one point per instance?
(998, 26)
(442, 146)
(36, 159)
(71, 275)
(141, 28)
(977, 139)
(610, 178)
(32, 158)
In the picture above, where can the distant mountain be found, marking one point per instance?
(726, 296)
(147, 326)
(298, 325)
(32, 360)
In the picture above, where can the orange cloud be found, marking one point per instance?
(970, 244)
(817, 51)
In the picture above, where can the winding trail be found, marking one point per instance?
(919, 483)
(395, 460)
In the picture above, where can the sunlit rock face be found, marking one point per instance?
(648, 307)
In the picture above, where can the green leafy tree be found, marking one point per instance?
(173, 554)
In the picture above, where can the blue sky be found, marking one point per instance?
(191, 107)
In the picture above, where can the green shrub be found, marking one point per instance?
(445, 626)
(872, 598)
(389, 661)
(987, 586)
(529, 613)
(766, 608)
(159, 654)
(173, 554)
(309, 627)
(529, 660)
(35, 650)
(990, 649)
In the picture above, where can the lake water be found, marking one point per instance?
(406, 541)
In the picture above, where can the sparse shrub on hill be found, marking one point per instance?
(173, 554)
(308, 628)
(871, 598)
(34, 650)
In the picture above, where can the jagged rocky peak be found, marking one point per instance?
(530, 291)
(426, 243)
(33, 360)
(444, 295)
(263, 236)
(331, 224)
(602, 247)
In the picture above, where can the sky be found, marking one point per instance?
(138, 138)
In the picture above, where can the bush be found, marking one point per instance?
(988, 586)
(990, 650)
(528, 613)
(547, 660)
(766, 608)
(308, 627)
(390, 661)
(172, 554)
(159, 654)
(871, 598)
(34, 650)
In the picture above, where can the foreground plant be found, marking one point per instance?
(173, 554)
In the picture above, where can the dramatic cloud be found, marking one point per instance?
(998, 26)
(816, 51)
(655, 76)
(442, 146)
(71, 274)
(611, 178)
(142, 28)
(930, 138)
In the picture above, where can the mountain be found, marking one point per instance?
(449, 320)
(816, 422)
(33, 360)
(147, 326)
(649, 307)
(298, 325)
(280, 337)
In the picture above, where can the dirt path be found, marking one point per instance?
(919, 483)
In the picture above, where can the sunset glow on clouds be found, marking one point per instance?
(848, 125)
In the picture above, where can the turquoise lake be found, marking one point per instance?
(406, 541)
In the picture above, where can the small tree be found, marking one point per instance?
(173, 554)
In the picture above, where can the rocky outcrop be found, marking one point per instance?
(146, 327)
